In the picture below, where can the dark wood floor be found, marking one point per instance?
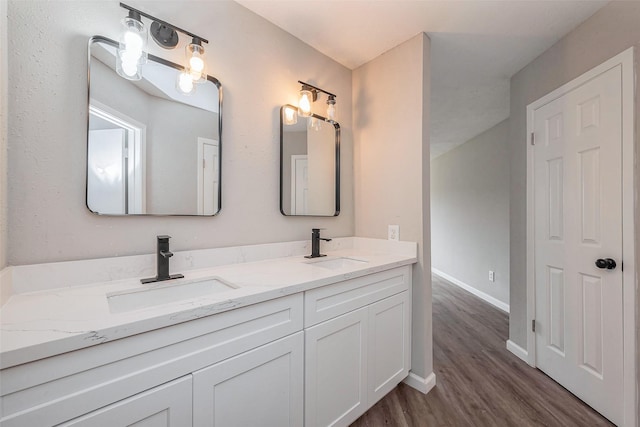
(479, 382)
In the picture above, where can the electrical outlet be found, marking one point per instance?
(394, 232)
(492, 276)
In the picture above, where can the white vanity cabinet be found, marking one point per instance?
(314, 358)
(133, 379)
(361, 351)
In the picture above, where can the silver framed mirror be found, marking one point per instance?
(151, 149)
(309, 164)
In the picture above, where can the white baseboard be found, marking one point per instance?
(483, 296)
(423, 385)
(518, 351)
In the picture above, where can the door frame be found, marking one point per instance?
(136, 152)
(625, 59)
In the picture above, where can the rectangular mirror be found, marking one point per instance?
(151, 150)
(309, 164)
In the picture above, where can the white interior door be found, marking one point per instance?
(208, 185)
(106, 186)
(578, 220)
(299, 184)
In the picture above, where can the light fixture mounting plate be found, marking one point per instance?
(164, 35)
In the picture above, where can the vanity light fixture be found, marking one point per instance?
(132, 52)
(309, 94)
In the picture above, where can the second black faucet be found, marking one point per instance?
(163, 254)
(315, 243)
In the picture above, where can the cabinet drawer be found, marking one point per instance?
(324, 303)
(168, 405)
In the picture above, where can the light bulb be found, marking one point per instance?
(130, 68)
(290, 116)
(304, 104)
(133, 44)
(195, 59)
(196, 63)
(185, 83)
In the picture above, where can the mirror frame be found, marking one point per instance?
(336, 125)
(106, 40)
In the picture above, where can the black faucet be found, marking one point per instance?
(163, 255)
(315, 243)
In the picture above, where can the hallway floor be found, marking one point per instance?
(479, 382)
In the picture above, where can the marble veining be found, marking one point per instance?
(38, 321)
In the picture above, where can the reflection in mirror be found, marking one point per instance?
(151, 149)
(309, 165)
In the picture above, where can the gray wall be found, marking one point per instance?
(391, 137)
(470, 212)
(172, 155)
(608, 32)
(259, 66)
(3, 133)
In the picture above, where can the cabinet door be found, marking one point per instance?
(259, 388)
(389, 339)
(335, 370)
(162, 406)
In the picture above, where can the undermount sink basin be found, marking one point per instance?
(337, 263)
(163, 293)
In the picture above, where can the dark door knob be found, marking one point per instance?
(607, 263)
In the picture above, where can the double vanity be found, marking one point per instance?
(251, 336)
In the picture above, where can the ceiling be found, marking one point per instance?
(476, 46)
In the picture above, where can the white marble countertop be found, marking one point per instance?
(47, 322)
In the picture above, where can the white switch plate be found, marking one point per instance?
(492, 276)
(394, 232)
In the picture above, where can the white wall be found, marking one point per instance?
(470, 212)
(608, 32)
(259, 66)
(391, 137)
(3, 132)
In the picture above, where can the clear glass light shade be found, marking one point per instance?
(304, 104)
(132, 49)
(196, 62)
(314, 124)
(185, 84)
(290, 116)
(331, 111)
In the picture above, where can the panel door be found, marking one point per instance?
(168, 405)
(299, 184)
(259, 388)
(335, 370)
(389, 336)
(578, 211)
